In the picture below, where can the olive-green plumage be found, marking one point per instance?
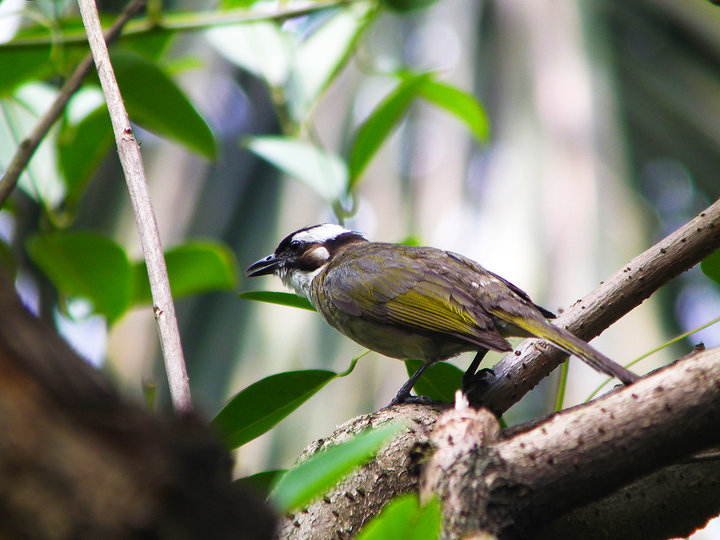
(437, 303)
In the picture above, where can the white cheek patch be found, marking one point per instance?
(317, 255)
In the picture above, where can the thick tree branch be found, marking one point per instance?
(519, 372)
(131, 159)
(27, 146)
(520, 483)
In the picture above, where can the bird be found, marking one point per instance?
(412, 302)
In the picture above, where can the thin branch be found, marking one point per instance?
(27, 146)
(198, 20)
(131, 159)
(519, 372)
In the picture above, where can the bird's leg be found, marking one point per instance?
(470, 376)
(474, 385)
(403, 394)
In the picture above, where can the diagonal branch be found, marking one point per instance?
(519, 372)
(131, 159)
(27, 146)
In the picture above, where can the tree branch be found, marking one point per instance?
(519, 372)
(131, 159)
(27, 146)
(513, 486)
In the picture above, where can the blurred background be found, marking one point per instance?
(605, 137)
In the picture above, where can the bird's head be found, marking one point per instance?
(303, 254)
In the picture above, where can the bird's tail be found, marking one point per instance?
(570, 344)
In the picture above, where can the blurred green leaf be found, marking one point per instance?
(261, 48)
(379, 125)
(711, 266)
(315, 476)
(21, 64)
(459, 103)
(230, 4)
(280, 298)
(81, 148)
(403, 517)
(262, 483)
(439, 382)
(41, 180)
(320, 56)
(156, 103)
(388, 115)
(87, 265)
(193, 268)
(260, 406)
(323, 171)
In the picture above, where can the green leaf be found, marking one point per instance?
(262, 483)
(87, 265)
(319, 57)
(193, 268)
(459, 103)
(82, 145)
(439, 382)
(280, 298)
(403, 517)
(156, 103)
(260, 406)
(21, 64)
(261, 48)
(41, 180)
(711, 266)
(315, 476)
(382, 121)
(323, 171)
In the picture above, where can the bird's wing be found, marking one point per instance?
(381, 286)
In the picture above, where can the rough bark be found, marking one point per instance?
(515, 486)
(79, 461)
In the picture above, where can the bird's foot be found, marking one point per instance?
(475, 386)
(406, 398)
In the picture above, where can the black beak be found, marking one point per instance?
(263, 267)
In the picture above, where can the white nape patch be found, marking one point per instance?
(300, 282)
(320, 233)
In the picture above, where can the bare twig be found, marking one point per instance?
(131, 159)
(519, 372)
(27, 146)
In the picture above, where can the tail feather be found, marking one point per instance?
(572, 345)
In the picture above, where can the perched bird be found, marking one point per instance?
(415, 302)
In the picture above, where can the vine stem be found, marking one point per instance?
(132, 164)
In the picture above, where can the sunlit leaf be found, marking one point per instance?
(280, 298)
(156, 103)
(404, 518)
(375, 130)
(87, 265)
(41, 180)
(193, 268)
(323, 171)
(261, 48)
(459, 103)
(318, 58)
(260, 406)
(315, 476)
(439, 382)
